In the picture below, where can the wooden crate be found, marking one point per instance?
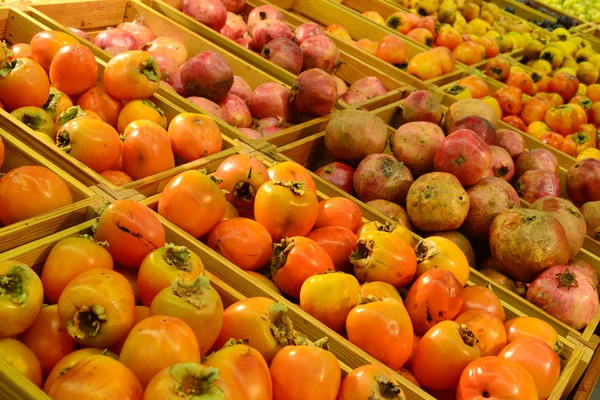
(16, 154)
(311, 153)
(20, 27)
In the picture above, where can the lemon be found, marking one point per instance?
(589, 153)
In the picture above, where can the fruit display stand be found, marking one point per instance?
(85, 200)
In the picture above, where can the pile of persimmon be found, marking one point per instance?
(112, 126)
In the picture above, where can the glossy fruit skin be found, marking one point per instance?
(487, 328)
(291, 171)
(117, 178)
(521, 80)
(47, 340)
(383, 329)
(435, 296)
(95, 143)
(22, 359)
(124, 76)
(339, 242)
(481, 298)
(329, 297)
(285, 211)
(510, 100)
(243, 241)
(477, 85)
(45, 45)
(298, 258)
(195, 303)
(565, 119)
(158, 342)
(180, 204)
(530, 327)
(95, 292)
(564, 84)
(441, 356)
(131, 230)
(163, 266)
(19, 305)
(68, 361)
(99, 377)
(368, 381)
(294, 366)
(250, 319)
(385, 257)
(194, 136)
(498, 378)
(244, 370)
(167, 385)
(538, 359)
(338, 174)
(74, 61)
(26, 84)
(147, 151)
(339, 211)
(380, 290)
(140, 110)
(443, 254)
(99, 101)
(497, 68)
(242, 176)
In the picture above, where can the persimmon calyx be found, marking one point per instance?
(369, 299)
(361, 257)
(296, 187)
(104, 244)
(156, 108)
(150, 69)
(387, 388)
(14, 283)
(281, 251)
(70, 114)
(192, 381)
(193, 292)
(467, 336)
(52, 103)
(281, 325)
(86, 322)
(425, 251)
(63, 141)
(244, 191)
(178, 257)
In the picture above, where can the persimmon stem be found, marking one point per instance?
(178, 257)
(87, 322)
(14, 283)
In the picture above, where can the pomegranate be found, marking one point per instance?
(353, 98)
(114, 50)
(566, 294)
(175, 82)
(415, 144)
(170, 46)
(306, 31)
(422, 106)
(585, 268)
(285, 53)
(500, 279)
(246, 42)
(338, 174)
(511, 141)
(465, 155)
(269, 125)
(236, 111)
(211, 13)
(369, 87)
(479, 125)
(527, 242)
(262, 13)
(166, 63)
(116, 37)
(251, 133)
(591, 215)
(271, 100)
(235, 27)
(80, 33)
(269, 29)
(392, 211)
(536, 184)
(569, 217)
(583, 181)
(208, 106)
(241, 88)
(320, 52)
(537, 159)
(503, 165)
(381, 176)
(488, 198)
(207, 75)
(314, 93)
(341, 86)
(142, 33)
(437, 202)
(351, 135)
(234, 5)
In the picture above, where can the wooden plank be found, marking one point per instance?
(589, 380)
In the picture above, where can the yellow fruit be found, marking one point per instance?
(375, 17)
(533, 49)
(584, 54)
(587, 73)
(516, 68)
(517, 39)
(538, 129)
(568, 48)
(460, 92)
(471, 11)
(487, 17)
(560, 34)
(569, 62)
(582, 89)
(528, 37)
(595, 60)
(492, 102)
(505, 44)
(460, 22)
(425, 7)
(493, 34)
(581, 43)
(542, 66)
(589, 153)
(492, 8)
(478, 26)
(447, 12)
(553, 55)
(568, 70)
